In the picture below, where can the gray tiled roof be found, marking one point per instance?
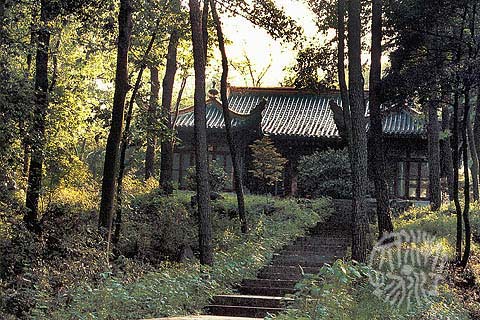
(403, 123)
(288, 112)
(293, 113)
(214, 117)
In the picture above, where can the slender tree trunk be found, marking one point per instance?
(179, 100)
(433, 129)
(376, 129)
(341, 11)
(125, 140)
(476, 127)
(360, 243)
(166, 164)
(456, 163)
(446, 148)
(110, 168)
(474, 157)
(151, 116)
(466, 190)
(38, 126)
(200, 128)
(2, 16)
(237, 172)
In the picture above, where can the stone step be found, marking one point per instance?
(320, 242)
(269, 283)
(304, 261)
(206, 317)
(288, 270)
(280, 276)
(251, 301)
(242, 311)
(266, 291)
(313, 250)
(317, 240)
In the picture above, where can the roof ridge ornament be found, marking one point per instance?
(213, 92)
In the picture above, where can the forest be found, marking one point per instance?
(140, 180)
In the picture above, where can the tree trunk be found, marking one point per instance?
(38, 126)
(179, 100)
(476, 128)
(2, 16)
(341, 9)
(166, 162)
(151, 116)
(110, 168)
(237, 172)
(446, 151)
(200, 129)
(360, 243)
(125, 142)
(433, 130)
(474, 157)
(456, 163)
(466, 190)
(376, 129)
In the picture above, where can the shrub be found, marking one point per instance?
(268, 164)
(156, 227)
(343, 291)
(325, 173)
(218, 178)
(180, 289)
(37, 269)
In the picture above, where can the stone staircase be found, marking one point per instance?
(265, 295)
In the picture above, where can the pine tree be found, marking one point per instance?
(268, 163)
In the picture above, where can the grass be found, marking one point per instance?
(163, 288)
(344, 290)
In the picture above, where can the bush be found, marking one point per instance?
(180, 289)
(156, 227)
(37, 269)
(325, 173)
(218, 178)
(343, 291)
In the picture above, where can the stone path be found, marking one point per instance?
(265, 294)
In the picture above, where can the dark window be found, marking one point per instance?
(411, 180)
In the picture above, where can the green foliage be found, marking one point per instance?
(35, 269)
(343, 291)
(268, 163)
(157, 227)
(218, 178)
(132, 290)
(325, 173)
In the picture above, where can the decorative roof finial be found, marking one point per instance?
(213, 93)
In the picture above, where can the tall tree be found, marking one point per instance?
(433, 130)
(476, 126)
(151, 117)
(456, 164)
(110, 167)
(200, 129)
(237, 172)
(474, 157)
(446, 150)
(166, 162)
(466, 208)
(376, 129)
(126, 138)
(341, 12)
(361, 232)
(38, 126)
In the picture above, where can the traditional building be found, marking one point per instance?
(300, 122)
